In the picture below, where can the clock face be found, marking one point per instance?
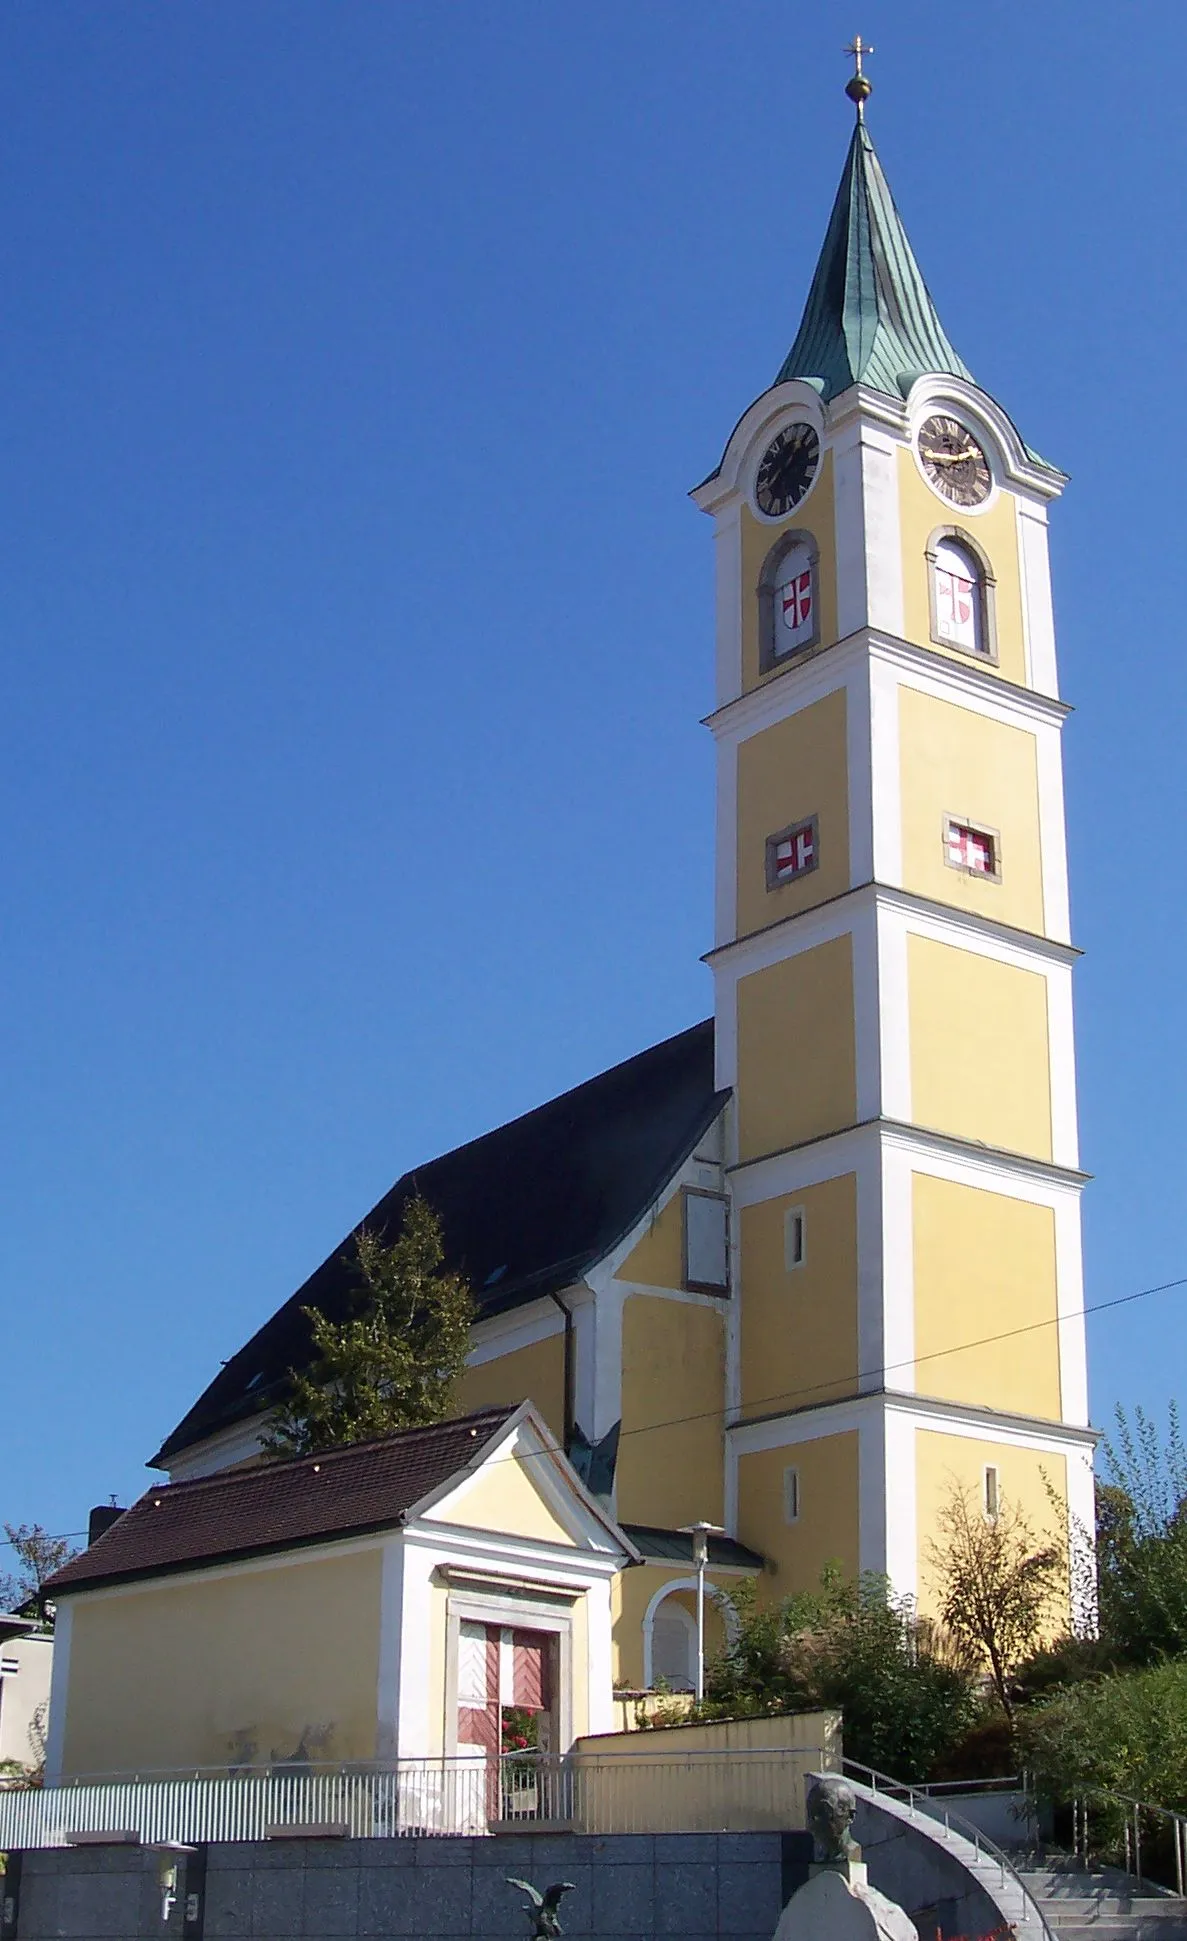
(787, 470)
(954, 462)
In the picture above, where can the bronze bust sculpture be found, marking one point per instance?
(831, 1805)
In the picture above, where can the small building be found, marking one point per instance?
(26, 1661)
(420, 1597)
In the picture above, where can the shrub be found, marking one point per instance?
(905, 1694)
(1126, 1733)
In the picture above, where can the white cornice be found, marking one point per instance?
(963, 678)
(836, 914)
(827, 668)
(832, 1418)
(872, 407)
(810, 677)
(995, 1160)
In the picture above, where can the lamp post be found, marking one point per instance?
(700, 1534)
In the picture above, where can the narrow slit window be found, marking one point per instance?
(795, 1238)
(791, 1495)
(992, 1492)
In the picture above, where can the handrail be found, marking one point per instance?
(952, 1822)
(1003, 1783)
(1133, 1809)
(280, 1768)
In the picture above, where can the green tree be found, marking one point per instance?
(907, 1697)
(37, 1555)
(1141, 1539)
(998, 1583)
(394, 1362)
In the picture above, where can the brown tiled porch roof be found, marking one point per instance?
(281, 1505)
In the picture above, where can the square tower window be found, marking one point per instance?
(972, 849)
(792, 853)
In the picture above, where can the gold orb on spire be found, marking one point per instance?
(858, 87)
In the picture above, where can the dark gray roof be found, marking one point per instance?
(675, 1546)
(525, 1210)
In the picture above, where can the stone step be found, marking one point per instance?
(1113, 1929)
(1065, 1883)
(1122, 1907)
(1111, 1907)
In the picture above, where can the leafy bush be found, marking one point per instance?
(1141, 1540)
(906, 1695)
(1126, 1733)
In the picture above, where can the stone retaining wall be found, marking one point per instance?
(632, 1887)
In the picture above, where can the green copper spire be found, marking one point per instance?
(869, 318)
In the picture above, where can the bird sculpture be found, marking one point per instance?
(541, 1907)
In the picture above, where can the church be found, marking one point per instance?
(803, 1268)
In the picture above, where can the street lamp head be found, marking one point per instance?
(700, 1534)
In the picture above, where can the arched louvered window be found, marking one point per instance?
(960, 594)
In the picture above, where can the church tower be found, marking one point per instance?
(892, 957)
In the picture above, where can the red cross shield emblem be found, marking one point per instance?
(795, 598)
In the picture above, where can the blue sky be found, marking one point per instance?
(357, 360)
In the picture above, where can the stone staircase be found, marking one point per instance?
(1102, 1905)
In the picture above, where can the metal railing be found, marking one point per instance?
(938, 1811)
(1119, 1821)
(703, 1790)
(413, 1796)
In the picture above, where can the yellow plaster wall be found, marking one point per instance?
(984, 1265)
(503, 1496)
(796, 1055)
(796, 768)
(799, 1326)
(944, 1463)
(658, 1258)
(957, 763)
(250, 1664)
(979, 1052)
(533, 1374)
(633, 1592)
(827, 1530)
(921, 510)
(816, 515)
(673, 1367)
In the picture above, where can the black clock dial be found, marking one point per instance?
(787, 470)
(954, 461)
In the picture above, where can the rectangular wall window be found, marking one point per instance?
(795, 1237)
(791, 1494)
(706, 1242)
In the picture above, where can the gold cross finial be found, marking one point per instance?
(858, 87)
